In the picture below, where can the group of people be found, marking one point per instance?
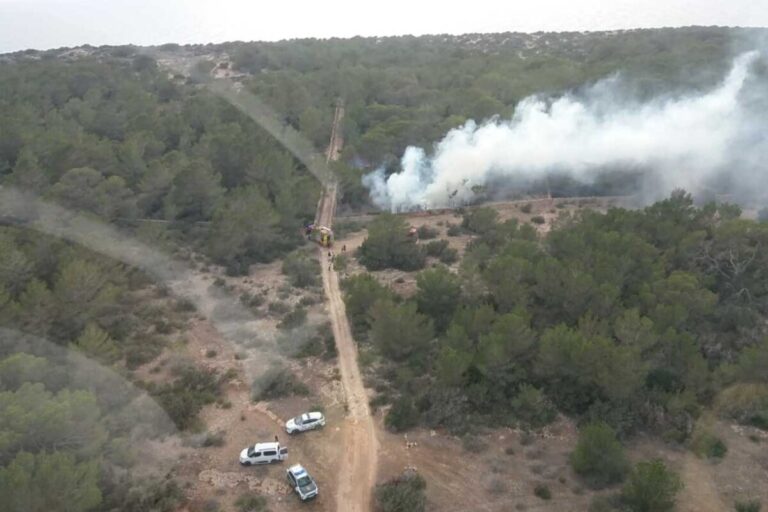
(332, 256)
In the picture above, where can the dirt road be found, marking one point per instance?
(700, 492)
(357, 474)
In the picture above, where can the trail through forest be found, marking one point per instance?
(357, 474)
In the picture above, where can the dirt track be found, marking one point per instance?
(357, 474)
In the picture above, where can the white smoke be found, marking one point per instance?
(684, 141)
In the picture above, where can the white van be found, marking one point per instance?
(263, 453)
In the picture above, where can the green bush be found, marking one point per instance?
(302, 271)
(295, 318)
(426, 232)
(532, 407)
(402, 494)
(705, 444)
(598, 457)
(453, 230)
(138, 353)
(526, 208)
(158, 496)
(251, 300)
(538, 219)
(542, 491)
(436, 247)
(278, 307)
(748, 506)
(184, 397)
(251, 502)
(278, 383)
(329, 342)
(186, 305)
(651, 488)
(746, 403)
(402, 416)
(480, 220)
(449, 256)
(389, 246)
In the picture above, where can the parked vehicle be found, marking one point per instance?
(263, 453)
(301, 482)
(304, 422)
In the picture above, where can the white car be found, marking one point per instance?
(307, 421)
(263, 453)
(301, 482)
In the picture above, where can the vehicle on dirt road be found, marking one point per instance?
(301, 482)
(304, 422)
(263, 453)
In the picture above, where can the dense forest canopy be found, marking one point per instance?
(115, 137)
(403, 91)
(641, 319)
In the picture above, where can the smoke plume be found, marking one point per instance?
(692, 142)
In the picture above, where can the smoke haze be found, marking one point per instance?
(712, 139)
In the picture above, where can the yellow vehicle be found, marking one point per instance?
(320, 234)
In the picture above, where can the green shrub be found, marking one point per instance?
(295, 318)
(746, 403)
(278, 307)
(278, 383)
(532, 407)
(598, 457)
(184, 397)
(329, 342)
(426, 232)
(389, 246)
(651, 488)
(402, 416)
(538, 219)
(705, 444)
(378, 401)
(210, 353)
(302, 271)
(453, 230)
(449, 256)
(142, 352)
(436, 247)
(186, 305)
(748, 506)
(156, 495)
(251, 300)
(480, 220)
(542, 491)
(526, 208)
(340, 262)
(251, 503)
(402, 494)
